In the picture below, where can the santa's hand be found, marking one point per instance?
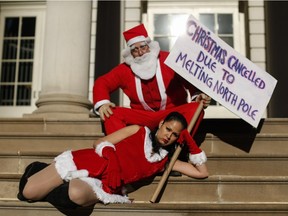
(113, 168)
(205, 99)
(106, 110)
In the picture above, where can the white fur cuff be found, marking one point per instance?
(198, 159)
(76, 174)
(101, 146)
(99, 104)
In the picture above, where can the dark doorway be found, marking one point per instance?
(108, 39)
(277, 55)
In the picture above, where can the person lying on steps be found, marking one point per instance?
(88, 176)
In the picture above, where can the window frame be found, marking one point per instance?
(37, 11)
(196, 8)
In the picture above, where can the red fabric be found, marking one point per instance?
(135, 32)
(86, 159)
(122, 77)
(126, 116)
(130, 153)
(186, 139)
(113, 168)
(151, 93)
(134, 164)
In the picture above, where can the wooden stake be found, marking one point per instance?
(175, 156)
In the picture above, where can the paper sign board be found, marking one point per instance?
(215, 68)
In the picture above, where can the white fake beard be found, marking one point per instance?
(144, 66)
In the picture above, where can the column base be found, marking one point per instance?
(62, 106)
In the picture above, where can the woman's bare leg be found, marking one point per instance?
(81, 193)
(41, 183)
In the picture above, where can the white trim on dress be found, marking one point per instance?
(149, 155)
(66, 168)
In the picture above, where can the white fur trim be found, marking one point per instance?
(99, 104)
(149, 155)
(138, 39)
(198, 159)
(77, 174)
(106, 198)
(162, 88)
(140, 94)
(66, 168)
(102, 145)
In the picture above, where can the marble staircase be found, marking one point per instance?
(247, 166)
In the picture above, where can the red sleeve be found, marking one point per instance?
(108, 83)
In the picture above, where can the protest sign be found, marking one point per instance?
(218, 70)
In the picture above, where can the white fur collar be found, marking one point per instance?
(149, 155)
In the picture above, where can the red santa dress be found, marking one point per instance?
(136, 161)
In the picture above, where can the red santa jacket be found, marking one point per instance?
(165, 90)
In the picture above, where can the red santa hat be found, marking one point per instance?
(136, 34)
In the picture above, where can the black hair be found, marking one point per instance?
(176, 116)
(173, 116)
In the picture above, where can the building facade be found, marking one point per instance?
(53, 50)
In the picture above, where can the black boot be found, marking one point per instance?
(30, 170)
(59, 197)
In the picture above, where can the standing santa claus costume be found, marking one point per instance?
(151, 86)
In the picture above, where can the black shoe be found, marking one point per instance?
(30, 170)
(59, 197)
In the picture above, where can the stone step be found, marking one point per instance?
(246, 166)
(216, 188)
(230, 145)
(14, 208)
(241, 166)
(91, 125)
(32, 143)
(40, 125)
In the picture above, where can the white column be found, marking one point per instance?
(66, 60)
